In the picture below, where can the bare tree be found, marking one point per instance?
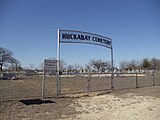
(123, 64)
(95, 64)
(133, 64)
(99, 64)
(16, 64)
(146, 63)
(105, 65)
(6, 56)
(155, 63)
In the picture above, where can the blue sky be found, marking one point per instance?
(29, 28)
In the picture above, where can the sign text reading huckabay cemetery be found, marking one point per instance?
(69, 36)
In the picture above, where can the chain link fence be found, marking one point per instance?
(30, 87)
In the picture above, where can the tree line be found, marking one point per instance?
(94, 65)
(145, 64)
(101, 66)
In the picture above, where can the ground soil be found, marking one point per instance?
(132, 104)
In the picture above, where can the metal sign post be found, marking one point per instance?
(58, 65)
(43, 81)
(112, 81)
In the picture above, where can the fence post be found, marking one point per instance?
(136, 81)
(153, 79)
(89, 84)
(43, 84)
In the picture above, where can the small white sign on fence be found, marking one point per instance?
(50, 65)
